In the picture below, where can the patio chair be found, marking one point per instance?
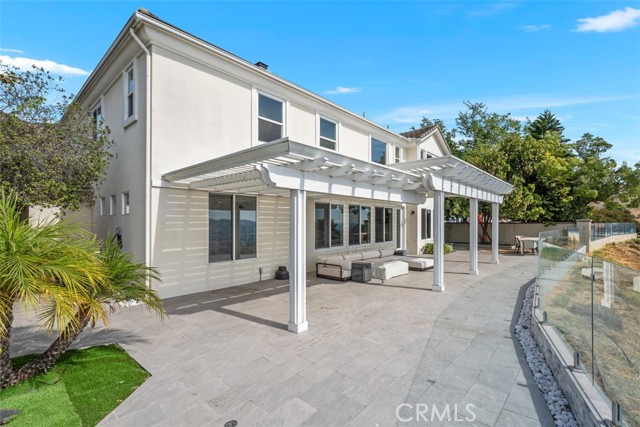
(516, 248)
(530, 245)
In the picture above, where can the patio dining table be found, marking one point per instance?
(528, 239)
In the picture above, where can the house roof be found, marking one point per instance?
(143, 17)
(421, 133)
(284, 165)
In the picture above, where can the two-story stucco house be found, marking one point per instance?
(223, 171)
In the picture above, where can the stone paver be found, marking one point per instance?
(375, 354)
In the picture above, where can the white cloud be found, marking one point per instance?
(342, 90)
(535, 28)
(54, 67)
(618, 20)
(10, 50)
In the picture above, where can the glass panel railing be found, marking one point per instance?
(617, 336)
(595, 307)
(602, 230)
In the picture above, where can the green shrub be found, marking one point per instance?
(428, 248)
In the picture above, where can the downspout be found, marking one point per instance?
(147, 187)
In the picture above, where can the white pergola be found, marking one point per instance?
(289, 168)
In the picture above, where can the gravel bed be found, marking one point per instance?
(556, 401)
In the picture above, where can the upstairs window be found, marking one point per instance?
(102, 203)
(97, 119)
(397, 151)
(112, 205)
(270, 119)
(328, 134)
(131, 88)
(378, 151)
(424, 154)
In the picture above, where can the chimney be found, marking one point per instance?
(262, 65)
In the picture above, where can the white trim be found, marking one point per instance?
(473, 236)
(297, 261)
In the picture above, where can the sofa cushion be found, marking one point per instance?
(356, 256)
(338, 260)
(386, 252)
(371, 254)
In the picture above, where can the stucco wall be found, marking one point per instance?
(459, 233)
(127, 166)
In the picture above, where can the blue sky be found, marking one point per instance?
(394, 61)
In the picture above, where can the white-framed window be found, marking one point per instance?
(112, 205)
(130, 94)
(378, 151)
(397, 154)
(424, 154)
(233, 233)
(384, 224)
(270, 118)
(101, 205)
(425, 223)
(328, 134)
(125, 203)
(98, 120)
(359, 224)
(329, 225)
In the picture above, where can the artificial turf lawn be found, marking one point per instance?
(81, 389)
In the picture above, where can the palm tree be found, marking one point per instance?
(125, 281)
(51, 261)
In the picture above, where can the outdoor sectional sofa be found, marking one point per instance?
(338, 267)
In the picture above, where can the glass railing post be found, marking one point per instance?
(593, 326)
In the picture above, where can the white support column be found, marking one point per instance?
(438, 241)
(495, 232)
(473, 236)
(403, 228)
(297, 262)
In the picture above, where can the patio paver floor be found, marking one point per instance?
(226, 355)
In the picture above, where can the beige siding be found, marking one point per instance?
(180, 247)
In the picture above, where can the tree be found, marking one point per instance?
(52, 153)
(553, 180)
(53, 261)
(629, 180)
(57, 266)
(125, 281)
(543, 124)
